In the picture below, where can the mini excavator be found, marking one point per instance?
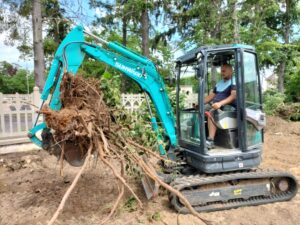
(224, 177)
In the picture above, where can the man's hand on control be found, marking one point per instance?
(216, 105)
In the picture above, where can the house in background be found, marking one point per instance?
(269, 82)
(272, 81)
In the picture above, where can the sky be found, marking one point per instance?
(12, 55)
(82, 15)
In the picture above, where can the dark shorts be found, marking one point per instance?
(209, 108)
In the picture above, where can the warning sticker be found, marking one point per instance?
(237, 191)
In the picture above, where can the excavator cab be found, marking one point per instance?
(239, 137)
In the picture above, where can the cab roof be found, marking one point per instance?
(191, 56)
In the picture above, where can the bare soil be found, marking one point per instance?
(31, 189)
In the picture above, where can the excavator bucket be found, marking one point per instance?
(73, 154)
(150, 186)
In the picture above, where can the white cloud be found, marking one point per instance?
(12, 55)
(100, 13)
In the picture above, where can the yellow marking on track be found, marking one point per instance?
(237, 191)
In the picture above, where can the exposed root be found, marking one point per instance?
(84, 126)
(136, 145)
(70, 189)
(121, 193)
(61, 160)
(117, 175)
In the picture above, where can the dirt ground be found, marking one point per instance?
(31, 189)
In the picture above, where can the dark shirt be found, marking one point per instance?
(223, 90)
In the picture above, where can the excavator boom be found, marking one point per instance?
(69, 57)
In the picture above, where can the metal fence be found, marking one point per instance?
(132, 102)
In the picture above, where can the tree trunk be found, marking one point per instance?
(281, 71)
(287, 30)
(145, 31)
(124, 81)
(38, 51)
(236, 34)
(124, 30)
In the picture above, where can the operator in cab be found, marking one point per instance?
(224, 94)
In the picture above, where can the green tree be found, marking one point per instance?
(15, 19)
(57, 27)
(293, 85)
(7, 68)
(21, 82)
(128, 22)
(283, 22)
(270, 25)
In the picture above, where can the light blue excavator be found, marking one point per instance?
(218, 178)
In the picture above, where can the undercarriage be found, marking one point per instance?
(232, 190)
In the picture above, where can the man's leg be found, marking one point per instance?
(212, 129)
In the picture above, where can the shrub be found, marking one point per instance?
(289, 111)
(272, 101)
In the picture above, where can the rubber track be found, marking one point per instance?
(182, 183)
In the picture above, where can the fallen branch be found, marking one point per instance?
(61, 160)
(70, 189)
(116, 173)
(121, 193)
(147, 150)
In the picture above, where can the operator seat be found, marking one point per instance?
(225, 118)
(226, 121)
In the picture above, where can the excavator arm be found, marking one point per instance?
(69, 57)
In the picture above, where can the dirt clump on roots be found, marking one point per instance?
(83, 127)
(82, 104)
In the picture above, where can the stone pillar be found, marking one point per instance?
(36, 97)
(2, 128)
